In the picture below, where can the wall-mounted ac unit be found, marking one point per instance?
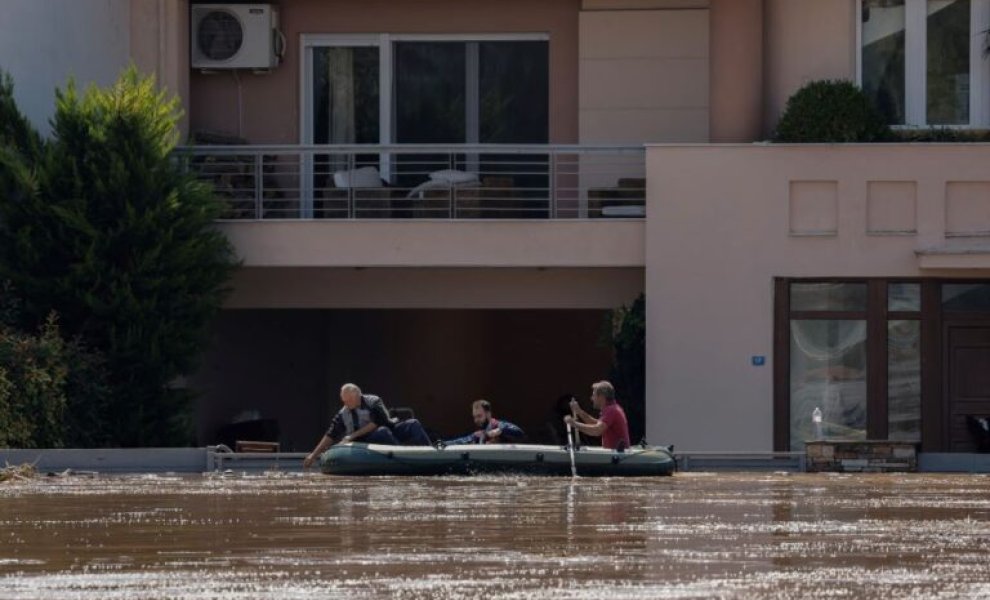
(235, 36)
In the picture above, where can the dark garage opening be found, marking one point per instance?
(287, 365)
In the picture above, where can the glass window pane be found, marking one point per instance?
(828, 371)
(514, 92)
(828, 296)
(430, 83)
(948, 61)
(966, 296)
(883, 56)
(345, 95)
(904, 380)
(904, 297)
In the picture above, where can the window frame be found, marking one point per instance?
(877, 317)
(384, 42)
(915, 65)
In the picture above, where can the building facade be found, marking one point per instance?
(442, 199)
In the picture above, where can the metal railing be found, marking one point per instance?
(260, 182)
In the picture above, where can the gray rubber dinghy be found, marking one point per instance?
(372, 459)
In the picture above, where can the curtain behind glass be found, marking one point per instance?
(345, 95)
(828, 371)
(904, 380)
(340, 74)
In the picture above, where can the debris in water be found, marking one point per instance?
(17, 472)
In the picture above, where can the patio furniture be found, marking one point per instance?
(627, 199)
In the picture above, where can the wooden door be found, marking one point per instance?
(967, 385)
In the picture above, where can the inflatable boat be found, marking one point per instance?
(356, 458)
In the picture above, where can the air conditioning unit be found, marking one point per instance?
(235, 36)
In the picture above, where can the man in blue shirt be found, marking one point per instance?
(490, 430)
(364, 418)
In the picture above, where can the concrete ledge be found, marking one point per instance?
(112, 460)
(945, 462)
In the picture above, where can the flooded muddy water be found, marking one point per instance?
(305, 535)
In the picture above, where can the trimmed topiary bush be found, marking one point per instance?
(831, 111)
(943, 135)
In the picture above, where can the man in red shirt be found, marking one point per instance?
(611, 425)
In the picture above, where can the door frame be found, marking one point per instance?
(951, 321)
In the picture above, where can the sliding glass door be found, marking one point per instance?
(430, 90)
(475, 92)
(471, 92)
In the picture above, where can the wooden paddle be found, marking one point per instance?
(570, 444)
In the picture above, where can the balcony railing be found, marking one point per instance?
(423, 181)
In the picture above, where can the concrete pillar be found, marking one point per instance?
(736, 71)
(160, 45)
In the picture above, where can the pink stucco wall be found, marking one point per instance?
(726, 220)
(270, 103)
(736, 104)
(761, 52)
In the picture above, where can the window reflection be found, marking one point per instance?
(948, 61)
(966, 297)
(883, 56)
(828, 296)
(904, 380)
(904, 297)
(828, 371)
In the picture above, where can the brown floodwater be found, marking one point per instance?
(290, 535)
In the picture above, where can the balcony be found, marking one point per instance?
(400, 206)
(541, 182)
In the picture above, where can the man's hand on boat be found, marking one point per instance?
(325, 443)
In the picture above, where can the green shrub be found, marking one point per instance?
(33, 371)
(627, 336)
(943, 135)
(78, 391)
(105, 229)
(831, 112)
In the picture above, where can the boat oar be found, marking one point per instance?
(570, 448)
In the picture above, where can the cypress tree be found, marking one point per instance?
(103, 227)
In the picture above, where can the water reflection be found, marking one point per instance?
(690, 536)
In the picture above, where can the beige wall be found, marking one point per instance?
(806, 40)
(725, 220)
(270, 103)
(422, 243)
(642, 4)
(159, 44)
(289, 365)
(644, 76)
(736, 107)
(554, 288)
(632, 55)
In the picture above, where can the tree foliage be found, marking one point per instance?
(102, 227)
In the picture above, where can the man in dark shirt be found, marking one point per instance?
(490, 430)
(364, 418)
